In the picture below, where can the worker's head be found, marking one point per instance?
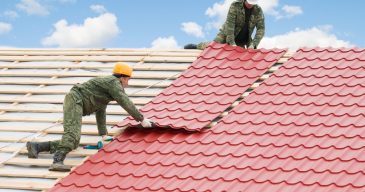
(123, 72)
(250, 3)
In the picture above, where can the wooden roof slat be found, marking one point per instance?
(25, 185)
(32, 173)
(83, 141)
(136, 75)
(54, 109)
(54, 130)
(10, 99)
(79, 152)
(39, 162)
(172, 59)
(143, 93)
(85, 120)
(158, 67)
(33, 81)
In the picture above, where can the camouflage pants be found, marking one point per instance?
(72, 119)
(220, 38)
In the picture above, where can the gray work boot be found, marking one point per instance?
(58, 163)
(34, 148)
(190, 46)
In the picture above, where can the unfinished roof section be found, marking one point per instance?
(301, 130)
(219, 76)
(33, 83)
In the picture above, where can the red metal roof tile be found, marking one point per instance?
(212, 83)
(306, 137)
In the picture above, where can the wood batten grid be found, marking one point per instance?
(154, 71)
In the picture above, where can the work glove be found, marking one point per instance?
(106, 138)
(146, 123)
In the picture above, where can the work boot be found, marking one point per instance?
(190, 46)
(34, 148)
(58, 163)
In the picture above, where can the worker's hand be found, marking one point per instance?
(251, 46)
(106, 138)
(146, 123)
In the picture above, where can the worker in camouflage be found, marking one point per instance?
(84, 99)
(243, 17)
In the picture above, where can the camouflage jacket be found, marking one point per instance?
(98, 92)
(235, 21)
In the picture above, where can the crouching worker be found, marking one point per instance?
(84, 99)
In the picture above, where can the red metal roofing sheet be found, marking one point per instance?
(219, 76)
(307, 139)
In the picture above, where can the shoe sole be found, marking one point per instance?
(60, 169)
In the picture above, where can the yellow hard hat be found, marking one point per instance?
(122, 69)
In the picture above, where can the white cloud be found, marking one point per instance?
(94, 32)
(11, 14)
(269, 6)
(98, 9)
(165, 43)
(68, 1)
(192, 28)
(32, 7)
(292, 10)
(312, 37)
(219, 13)
(5, 27)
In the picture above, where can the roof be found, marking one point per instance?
(33, 83)
(302, 129)
(219, 76)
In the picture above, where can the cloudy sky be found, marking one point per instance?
(173, 23)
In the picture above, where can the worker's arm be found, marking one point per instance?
(117, 92)
(260, 32)
(101, 121)
(230, 25)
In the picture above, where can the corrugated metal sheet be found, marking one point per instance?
(219, 76)
(302, 130)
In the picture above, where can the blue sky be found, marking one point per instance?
(173, 23)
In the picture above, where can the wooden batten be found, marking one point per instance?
(25, 185)
(11, 99)
(32, 173)
(39, 162)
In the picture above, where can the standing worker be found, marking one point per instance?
(243, 16)
(84, 99)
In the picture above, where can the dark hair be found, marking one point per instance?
(120, 75)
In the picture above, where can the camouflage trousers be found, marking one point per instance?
(220, 38)
(72, 119)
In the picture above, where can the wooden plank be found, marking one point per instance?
(11, 99)
(99, 53)
(41, 81)
(172, 59)
(73, 58)
(283, 60)
(54, 109)
(25, 185)
(144, 66)
(79, 152)
(86, 120)
(45, 91)
(158, 59)
(136, 75)
(83, 141)
(39, 162)
(32, 173)
(54, 130)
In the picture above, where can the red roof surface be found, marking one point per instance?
(219, 76)
(301, 130)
